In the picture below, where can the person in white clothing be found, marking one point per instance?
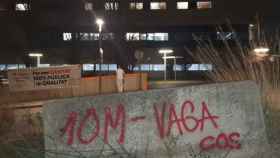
(120, 79)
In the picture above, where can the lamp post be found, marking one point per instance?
(174, 59)
(165, 52)
(38, 57)
(100, 23)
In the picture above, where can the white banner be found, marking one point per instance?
(44, 78)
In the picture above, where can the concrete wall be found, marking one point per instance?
(88, 86)
(215, 120)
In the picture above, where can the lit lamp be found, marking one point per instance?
(261, 51)
(165, 52)
(174, 58)
(100, 23)
(38, 57)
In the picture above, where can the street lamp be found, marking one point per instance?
(165, 52)
(261, 51)
(100, 23)
(174, 59)
(38, 57)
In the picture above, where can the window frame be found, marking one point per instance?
(159, 3)
(133, 6)
(113, 5)
(204, 8)
(27, 6)
(67, 36)
(182, 2)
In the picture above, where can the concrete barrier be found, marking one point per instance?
(216, 120)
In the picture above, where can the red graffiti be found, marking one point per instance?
(183, 121)
(167, 118)
(91, 118)
(90, 113)
(120, 120)
(69, 127)
(223, 141)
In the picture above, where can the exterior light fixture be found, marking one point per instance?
(261, 51)
(172, 57)
(175, 63)
(38, 57)
(100, 23)
(35, 54)
(165, 52)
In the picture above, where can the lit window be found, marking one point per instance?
(111, 5)
(84, 36)
(146, 36)
(161, 37)
(67, 36)
(178, 67)
(97, 67)
(88, 6)
(150, 36)
(157, 36)
(158, 5)
(204, 5)
(143, 36)
(194, 67)
(136, 68)
(135, 5)
(12, 66)
(88, 67)
(206, 67)
(22, 7)
(107, 36)
(200, 67)
(182, 5)
(145, 67)
(104, 67)
(2, 67)
(112, 67)
(94, 36)
(158, 67)
(132, 36)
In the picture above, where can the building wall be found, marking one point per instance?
(41, 28)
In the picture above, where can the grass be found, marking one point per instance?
(236, 61)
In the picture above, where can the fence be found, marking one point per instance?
(88, 87)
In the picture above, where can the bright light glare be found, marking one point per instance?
(165, 51)
(35, 54)
(99, 22)
(261, 51)
(172, 57)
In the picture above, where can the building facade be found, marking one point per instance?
(65, 31)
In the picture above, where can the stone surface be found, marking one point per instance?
(226, 120)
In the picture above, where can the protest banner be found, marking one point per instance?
(44, 78)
